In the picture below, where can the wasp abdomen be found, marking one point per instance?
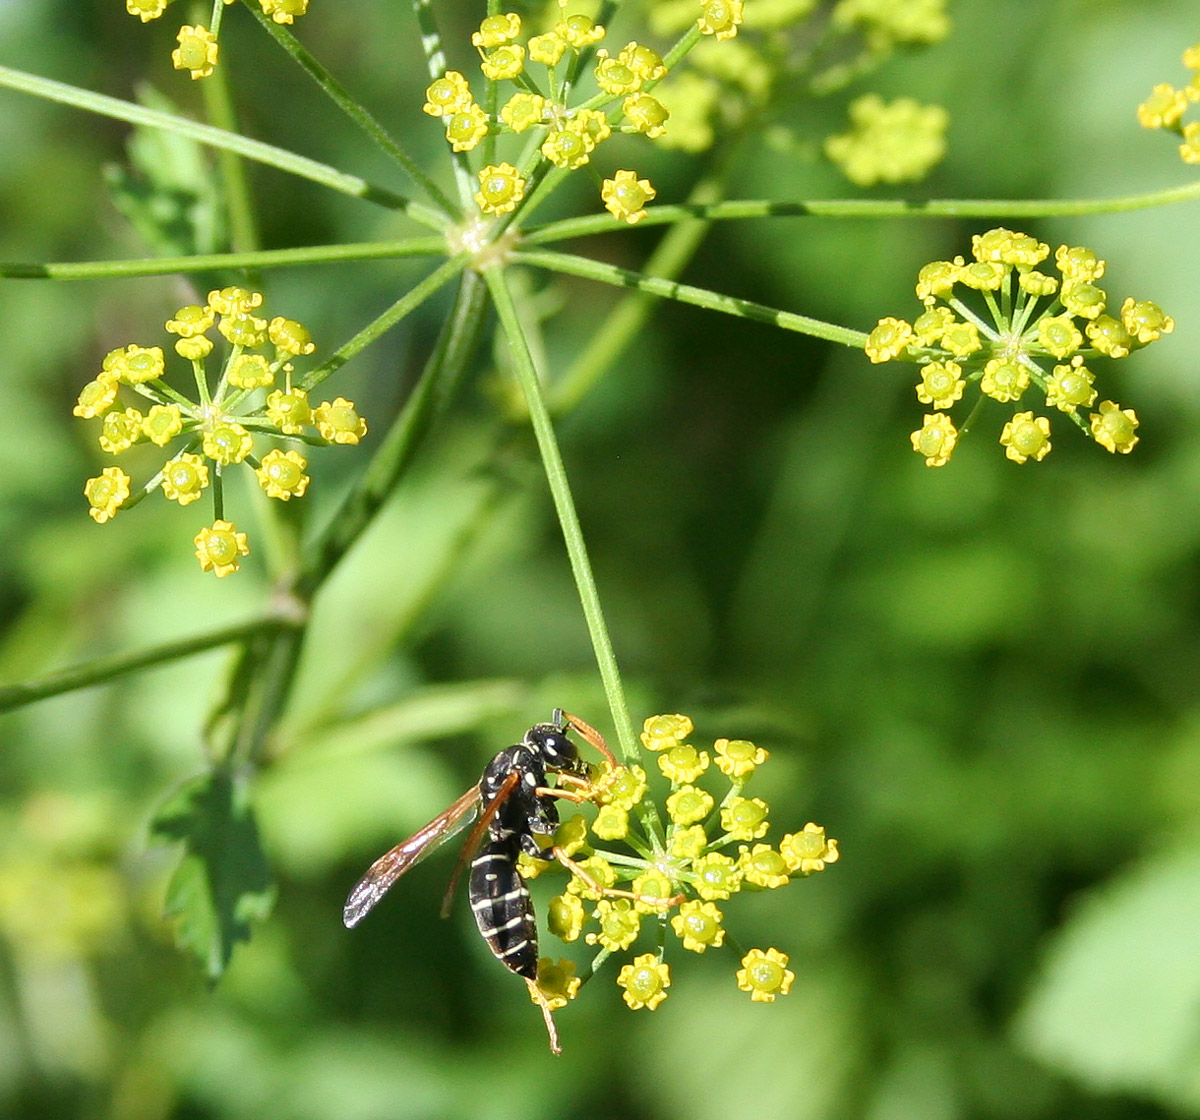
(502, 906)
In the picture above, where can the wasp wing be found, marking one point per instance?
(391, 865)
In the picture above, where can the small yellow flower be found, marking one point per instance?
(689, 805)
(936, 439)
(135, 365)
(647, 64)
(246, 331)
(227, 442)
(504, 63)
(194, 348)
(291, 339)
(283, 11)
(937, 278)
(146, 10)
(646, 114)
(466, 128)
(191, 320)
(808, 850)
(579, 31)
(1071, 386)
(571, 836)
(250, 371)
(661, 733)
(1163, 107)
(625, 788)
(687, 843)
(1078, 263)
(765, 975)
(941, 384)
(338, 422)
(983, 276)
(500, 189)
(523, 110)
(717, 876)
(720, 17)
(448, 95)
(611, 823)
(1083, 298)
(547, 49)
(289, 410)
(1036, 283)
(568, 147)
(96, 397)
(763, 866)
(745, 818)
(496, 31)
(565, 916)
(737, 758)
(197, 51)
(599, 870)
(163, 423)
(888, 340)
(615, 77)
(1026, 436)
(682, 764)
(645, 982)
(184, 478)
(557, 982)
(625, 196)
(1113, 427)
(1059, 336)
(1004, 379)
(1145, 320)
(220, 547)
(1189, 150)
(961, 339)
(234, 300)
(651, 885)
(619, 925)
(1109, 336)
(698, 926)
(106, 493)
(282, 475)
(121, 430)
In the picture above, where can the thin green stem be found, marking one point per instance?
(105, 669)
(404, 306)
(243, 226)
(343, 99)
(564, 505)
(266, 258)
(256, 150)
(873, 208)
(686, 293)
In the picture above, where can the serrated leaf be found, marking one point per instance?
(1118, 1001)
(223, 882)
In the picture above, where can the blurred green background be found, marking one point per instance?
(983, 680)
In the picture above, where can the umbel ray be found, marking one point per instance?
(511, 806)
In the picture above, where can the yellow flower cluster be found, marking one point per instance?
(1038, 330)
(567, 136)
(674, 878)
(198, 48)
(253, 397)
(1166, 105)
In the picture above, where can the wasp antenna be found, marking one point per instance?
(539, 997)
(590, 734)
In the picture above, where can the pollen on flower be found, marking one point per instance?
(689, 805)
(698, 926)
(568, 147)
(1058, 336)
(220, 547)
(135, 365)
(466, 128)
(651, 885)
(660, 733)
(250, 371)
(1189, 150)
(615, 77)
(163, 423)
(716, 876)
(191, 320)
(501, 188)
(625, 788)
(1071, 386)
(197, 51)
(1113, 427)
(547, 49)
(941, 384)
(447, 95)
(682, 763)
(738, 758)
(765, 975)
(557, 982)
(618, 922)
(184, 478)
(888, 340)
(646, 114)
(227, 442)
(625, 196)
(935, 439)
(1004, 379)
(339, 422)
(935, 279)
(579, 31)
(645, 982)
(611, 823)
(808, 850)
(745, 818)
(283, 11)
(1145, 320)
(121, 430)
(291, 338)
(106, 493)
(600, 871)
(1026, 436)
(522, 111)
(497, 30)
(289, 411)
(687, 843)
(282, 474)
(504, 63)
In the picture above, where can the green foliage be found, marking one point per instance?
(223, 882)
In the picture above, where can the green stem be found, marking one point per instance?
(243, 227)
(104, 669)
(342, 98)
(266, 258)
(457, 344)
(873, 208)
(564, 505)
(404, 306)
(686, 293)
(255, 150)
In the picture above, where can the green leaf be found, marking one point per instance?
(223, 883)
(1118, 1001)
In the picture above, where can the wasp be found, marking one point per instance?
(511, 806)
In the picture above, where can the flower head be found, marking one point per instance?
(765, 975)
(220, 547)
(625, 196)
(106, 493)
(1026, 436)
(808, 850)
(698, 926)
(645, 982)
(557, 982)
(197, 51)
(282, 474)
(500, 189)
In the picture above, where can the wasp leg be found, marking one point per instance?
(566, 794)
(539, 997)
(612, 892)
